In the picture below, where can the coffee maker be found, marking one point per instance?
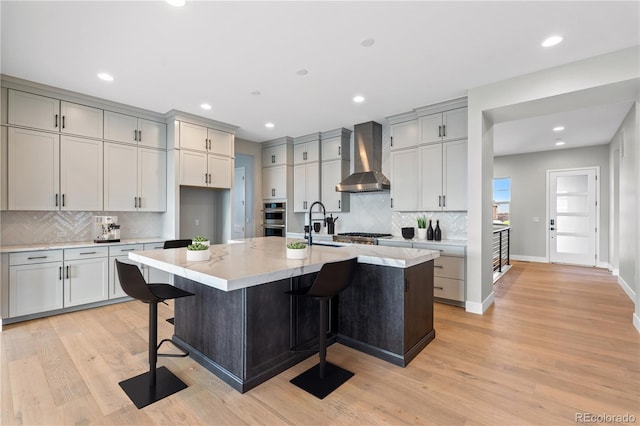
(106, 229)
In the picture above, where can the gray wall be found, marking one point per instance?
(207, 207)
(246, 161)
(253, 177)
(528, 173)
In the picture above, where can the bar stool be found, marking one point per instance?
(323, 378)
(153, 385)
(169, 244)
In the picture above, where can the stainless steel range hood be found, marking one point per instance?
(367, 161)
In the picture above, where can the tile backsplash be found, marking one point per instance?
(34, 227)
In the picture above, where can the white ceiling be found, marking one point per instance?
(166, 58)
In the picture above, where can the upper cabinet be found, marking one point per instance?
(276, 155)
(41, 112)
(200, 138)
(129, 129)
(277, 173)
(334, 168)
(306, 149)
(404, 135)
(443, 126)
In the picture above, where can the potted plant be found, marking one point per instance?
(197, 252)
(202, 240)
(422, 227)
(297, 250)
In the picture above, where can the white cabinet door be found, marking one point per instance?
(404, 176)
(80, 174)
(26, 109)
(120, 127)
(152, 180)
(306, 152)
(115, 289)
(35, 288)
(86, 281)
(454, 181)
(193, 168)
(455, 124)
(219, 172)
(33, 172)
(431, 177)
(221, 143)
(193, 137)
(152, 134)
(299, 188)
(120, 177)
(404, 135)
(331, 176)
(313, 182)
(431, 128)
(81, 120)
(274, 155)
(274, 182)
(332, 149)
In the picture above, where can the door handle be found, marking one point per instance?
(56, 123)
(439, 131)
(63, 121)
(62, 200)
(67, 272)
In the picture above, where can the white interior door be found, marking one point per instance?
(239, 204)
(572, 216)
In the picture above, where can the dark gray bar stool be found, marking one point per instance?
(323, 378)
(153, 385)
(169, 244)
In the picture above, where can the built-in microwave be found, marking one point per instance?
(274, 219)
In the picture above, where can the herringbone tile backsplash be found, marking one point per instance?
(35, 227)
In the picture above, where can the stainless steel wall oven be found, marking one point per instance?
(274, 219)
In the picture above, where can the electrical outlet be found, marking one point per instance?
(197, 222)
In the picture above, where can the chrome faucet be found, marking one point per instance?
(324, 218)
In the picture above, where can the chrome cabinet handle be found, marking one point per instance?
(87, 252)
(36, 257)
(129, 249)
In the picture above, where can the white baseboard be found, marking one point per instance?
(630, 292)
(529, 258)
(636, 321)
(603, 265)
(479, 308)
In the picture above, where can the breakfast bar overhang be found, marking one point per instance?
(242, 326)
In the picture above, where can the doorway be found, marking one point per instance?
(572, 216)
(239, 203)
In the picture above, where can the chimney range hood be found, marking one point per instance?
(367, 161)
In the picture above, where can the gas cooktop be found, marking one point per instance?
(360, 237)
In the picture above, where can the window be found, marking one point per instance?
(501, 200)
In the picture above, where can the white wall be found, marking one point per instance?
(254, 151)
(555, 89)
(528, 173)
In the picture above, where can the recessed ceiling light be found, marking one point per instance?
(558, 128)
(302, 72)
(358, 99)
(104, 76)
(177, 3)
(552, 41)
(256, 93)
(559, 143)
(367, 42)
(269, 125)
(205, 106)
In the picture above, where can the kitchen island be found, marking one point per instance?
(241, 325)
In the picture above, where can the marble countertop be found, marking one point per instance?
(255, 261)
(77, 244)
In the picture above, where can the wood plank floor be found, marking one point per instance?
(558, 341)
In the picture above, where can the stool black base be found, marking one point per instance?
(141, 394)
(311, 382)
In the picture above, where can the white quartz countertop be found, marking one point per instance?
(77, 244)
(255, 261)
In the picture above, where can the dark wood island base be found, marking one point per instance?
(246, 336)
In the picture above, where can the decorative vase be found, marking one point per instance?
(298, 254)
(422, 233)
(197, 255)
(437, 233)
(430, 231)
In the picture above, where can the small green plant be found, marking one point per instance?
(296, 245)
(422, 222)
(197, 247)
(200, 239)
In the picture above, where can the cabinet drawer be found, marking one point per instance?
(154, 246)
(85, 253)
(124, 250)
(445, 250)
(449, 267)
(40, 256)
(447, 288)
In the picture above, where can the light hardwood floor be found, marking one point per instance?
(559, 341)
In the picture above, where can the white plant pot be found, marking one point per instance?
(422, 233)
(204, 243)
(197, 255)
(297, 253)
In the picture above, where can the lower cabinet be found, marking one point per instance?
(86, 276)
(120, 252)
(33, 286)
(448, 272)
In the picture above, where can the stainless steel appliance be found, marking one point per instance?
(359, 237)
(274, 219)
(106, 229)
